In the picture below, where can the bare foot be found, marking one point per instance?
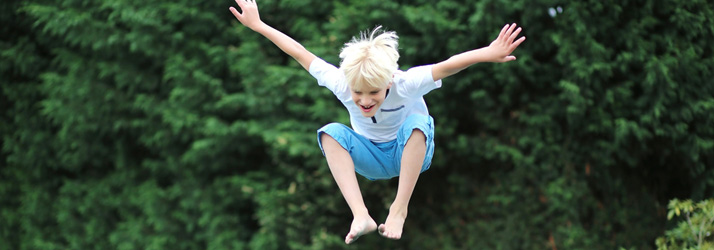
(360, 226)
(392, 228)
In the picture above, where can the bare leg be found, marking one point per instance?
(343, 170)
(412, 160)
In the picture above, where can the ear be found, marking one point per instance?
(389, 86)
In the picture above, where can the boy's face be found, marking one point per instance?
(369, 99)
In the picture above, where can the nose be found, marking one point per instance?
(364, 100)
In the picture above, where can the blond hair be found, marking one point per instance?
(370, 62)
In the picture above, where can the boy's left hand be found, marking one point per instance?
(504, 45)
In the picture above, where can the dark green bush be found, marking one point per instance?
(166, 125)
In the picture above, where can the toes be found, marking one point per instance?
(351, 237)
(390, 235)
(381, 229)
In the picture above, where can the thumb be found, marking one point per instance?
(509, 58)
(235, 13)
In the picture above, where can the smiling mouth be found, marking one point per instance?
(367, 109)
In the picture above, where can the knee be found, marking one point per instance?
(326, 138)
(416, 143)
(417, 136)
(328, 145)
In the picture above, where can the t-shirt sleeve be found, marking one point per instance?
(418, 81)
(331, 77)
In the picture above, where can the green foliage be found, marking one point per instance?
(167, 125)
(695, 232)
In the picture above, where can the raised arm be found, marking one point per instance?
(250, 17)
(499, 51)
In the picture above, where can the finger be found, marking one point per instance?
(514, 45)
(509, 32)
(509, 58)
(235, 13)
(241, 3)
(510, 29)
(503, 32)
(513, 36)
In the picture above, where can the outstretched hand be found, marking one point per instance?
(249, 15)
(504, 45)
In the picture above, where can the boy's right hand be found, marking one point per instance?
(249, 15)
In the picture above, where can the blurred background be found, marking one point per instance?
(153, 124)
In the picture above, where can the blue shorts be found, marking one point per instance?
(377, 161)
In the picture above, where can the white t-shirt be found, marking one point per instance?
(405, 98)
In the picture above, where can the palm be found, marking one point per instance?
(504, 44)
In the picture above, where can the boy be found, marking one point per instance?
(393, 133)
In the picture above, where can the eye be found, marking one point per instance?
(374, 92)
(358, 92)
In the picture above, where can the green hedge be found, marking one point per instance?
(167, 125)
